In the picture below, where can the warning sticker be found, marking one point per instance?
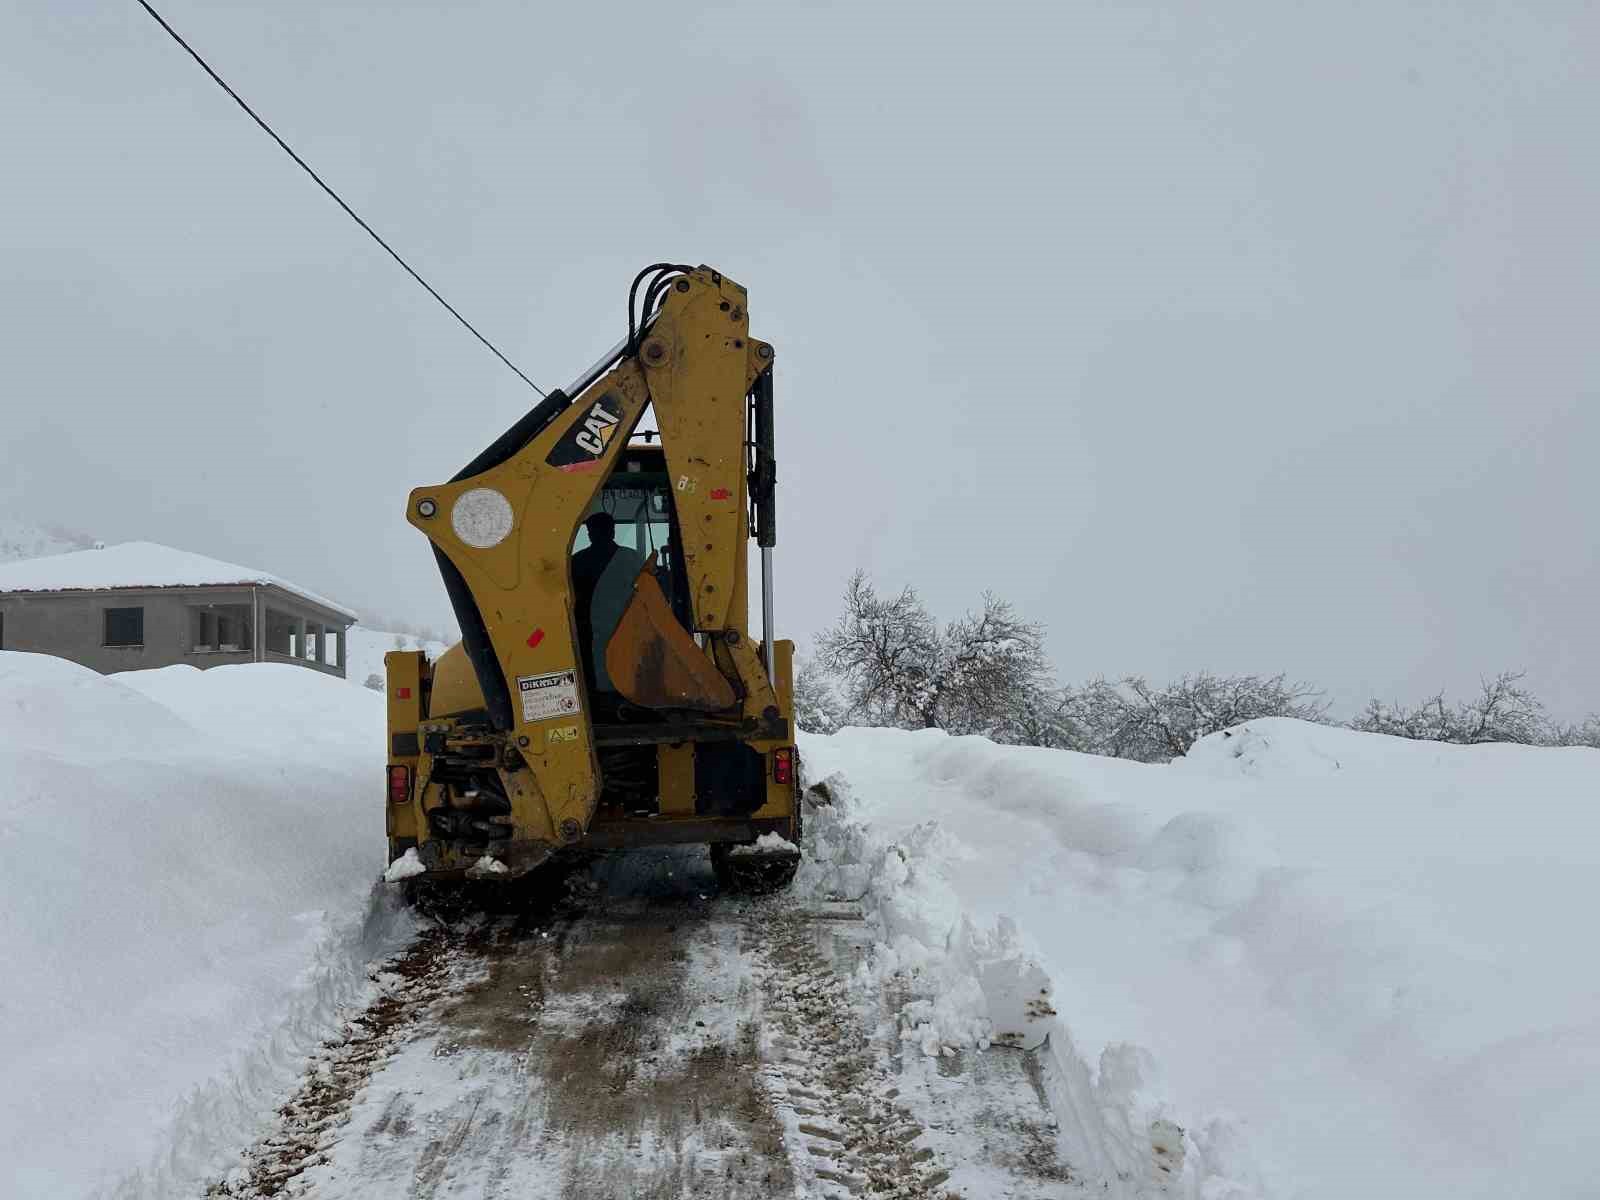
(546, 696)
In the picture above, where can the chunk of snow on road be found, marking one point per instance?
(767, 843)
(404, 867)
(487, 865)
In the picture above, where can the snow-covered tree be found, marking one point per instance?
(1503, 711)
(1041, 717)
(1586, 734)
(896, 665)
(888, 661)
(1133, 719)
(817, 707)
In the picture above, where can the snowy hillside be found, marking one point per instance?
(1347, 965)
(22, 539)
(366, 648)
(189, 859)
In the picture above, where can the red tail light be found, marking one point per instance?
(783, 766)
(399, 785)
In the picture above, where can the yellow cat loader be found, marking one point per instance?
(607, 691)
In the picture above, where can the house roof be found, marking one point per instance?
(141, 565)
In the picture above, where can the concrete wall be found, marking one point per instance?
(72, 625)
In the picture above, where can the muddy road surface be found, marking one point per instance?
(631, 1032)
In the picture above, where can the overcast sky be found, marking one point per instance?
(1251, 337)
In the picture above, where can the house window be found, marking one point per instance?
(124, 627)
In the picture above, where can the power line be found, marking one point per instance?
(337, 199)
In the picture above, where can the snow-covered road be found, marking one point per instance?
(632, 1033)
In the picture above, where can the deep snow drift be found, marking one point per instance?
(1346, 964)
(188, 861)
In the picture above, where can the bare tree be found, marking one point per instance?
(1041, 717)
(879, 650)
(1106, 720)
(888, 661)
(991, 667)
(898, 666)
(1503, 711)
(1586, 734)
(1133, 719)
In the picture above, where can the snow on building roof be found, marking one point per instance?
(141, 565)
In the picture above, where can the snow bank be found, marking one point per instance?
(967, 984)
(188, 861)
(1301, 962)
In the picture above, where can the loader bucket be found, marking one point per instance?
(654, 662)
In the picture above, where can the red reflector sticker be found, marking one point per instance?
(402, 693)
(720, 493)
(535, 638)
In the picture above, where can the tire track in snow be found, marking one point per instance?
(828, 1081)
(644, 1037)
(409, 986)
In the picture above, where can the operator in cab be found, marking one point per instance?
(603, 575)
